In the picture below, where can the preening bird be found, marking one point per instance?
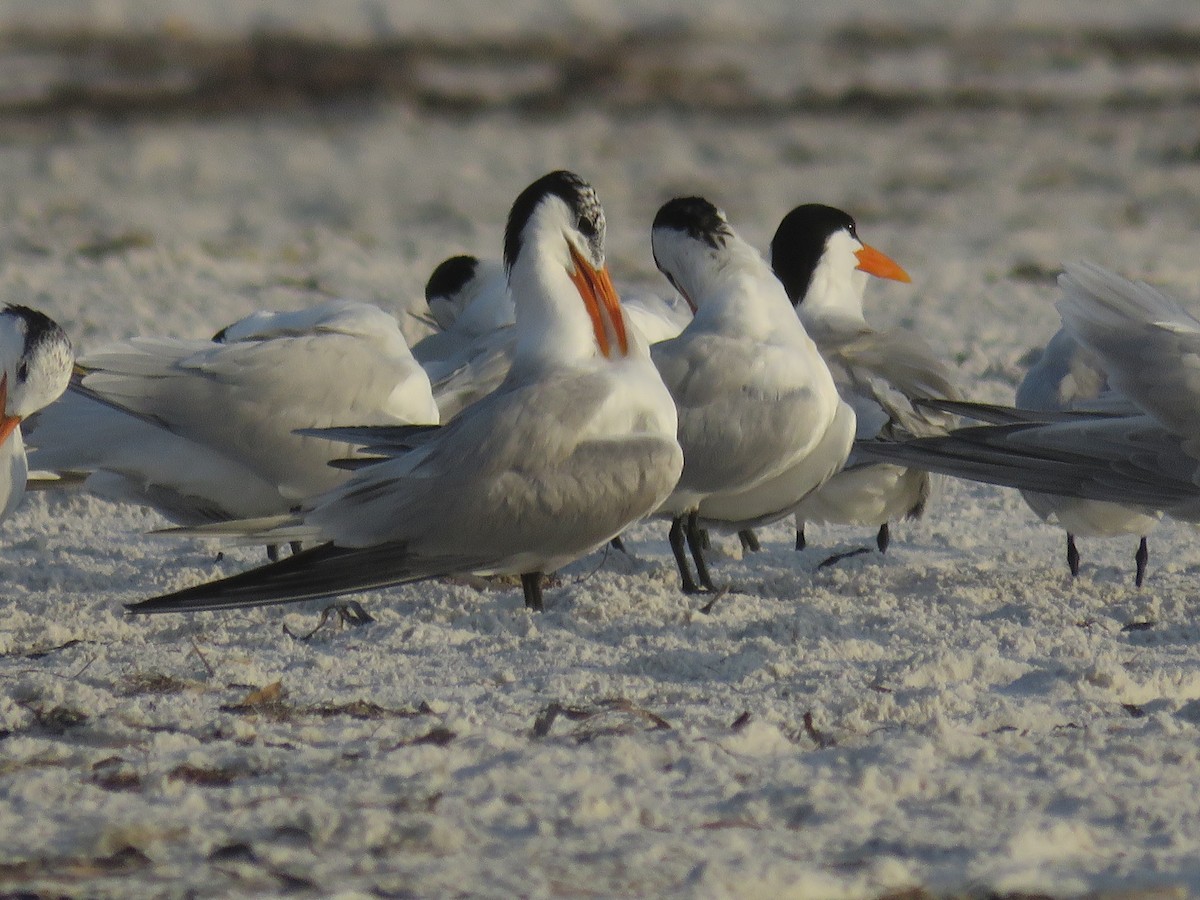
(760, 420)
(470, 301)
(576, 443)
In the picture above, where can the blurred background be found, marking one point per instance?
(170, 166)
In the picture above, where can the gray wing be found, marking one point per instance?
(727, 398)
(1149, 346)
(882, 373)
(532, 453)
(1130, 460)
(244, 400)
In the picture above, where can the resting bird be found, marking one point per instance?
(576, 443)
(760, 420)
(817, 254)
(204, 431)
(36, 360)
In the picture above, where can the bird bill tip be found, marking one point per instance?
(603, 305)
(8, 424)
(879, 264)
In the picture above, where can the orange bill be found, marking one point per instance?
(880, 265)
(8, 424)
(603, 306)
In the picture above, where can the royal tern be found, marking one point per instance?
(760, 420)
(470, 356)
(1141, 450)
(1068, 377)
(576, 443)
(203, 431)
(824, 266)
(35, 361)
(468, 300)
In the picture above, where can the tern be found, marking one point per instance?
(576, 443)
(1140, 450)
(824, 266)
(760, 420)
(36, 360)
(203, 430)
(1068, 377)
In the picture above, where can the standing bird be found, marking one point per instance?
(36, 360)
(760, 420)
(824, 266)
(576, 443)
(204, 431)
(1138, 447)
(1068, 377)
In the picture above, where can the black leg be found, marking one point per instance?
(618, 544)
(676, 538)
(1072, 555)
(749, 541)
(295, 546)
(884, 538)
(531, 584)
(1141, 558)
(695, 536)
(801, 543)
(273, 552)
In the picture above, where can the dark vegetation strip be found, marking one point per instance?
(670, 68)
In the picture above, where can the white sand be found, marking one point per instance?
(957, 716)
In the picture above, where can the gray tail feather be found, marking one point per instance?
(322, 571)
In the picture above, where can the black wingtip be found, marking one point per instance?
(289, 580)
(320, 572)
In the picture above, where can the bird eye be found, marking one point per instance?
(586, 226)
(22, 371)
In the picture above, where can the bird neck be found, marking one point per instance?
(552, 327)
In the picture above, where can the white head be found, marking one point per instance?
(36, 359)
(817, 254)
(565, 303)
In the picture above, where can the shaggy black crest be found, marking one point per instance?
(799, 242)
(39, 327)
(451, 276)
(695, 217)
(581, 200)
